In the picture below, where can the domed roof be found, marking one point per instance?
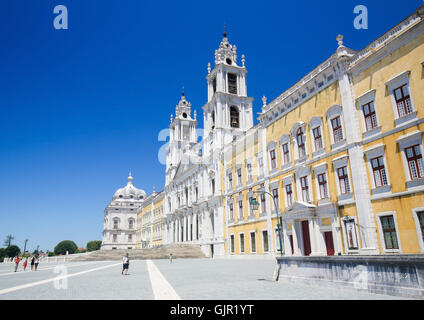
(129, 192)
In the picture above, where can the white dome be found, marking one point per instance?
(129, 192)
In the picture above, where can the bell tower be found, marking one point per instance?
(229, 111)
(183, 136)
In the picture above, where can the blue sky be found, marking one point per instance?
(81, 107)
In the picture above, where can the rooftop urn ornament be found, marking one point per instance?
(209, 68)
(264, 99)
(130, 178)
(195, 114)
(172, 118)
(340, 39)
(243, 60)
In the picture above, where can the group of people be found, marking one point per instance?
(126, 263)
(34, 262)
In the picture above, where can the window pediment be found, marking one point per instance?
(334, 111)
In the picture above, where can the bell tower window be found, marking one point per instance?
(232, 83)
(235, 117)
(214, 85)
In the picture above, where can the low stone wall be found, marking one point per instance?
(400, 275)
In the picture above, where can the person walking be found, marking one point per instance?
(25, 263)
(36, 262)
(17, 260)
(32, 263)
(170, 258)
(126, 264)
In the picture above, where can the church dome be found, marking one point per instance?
(129, 192)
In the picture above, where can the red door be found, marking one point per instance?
(306, 238)
(329, 243)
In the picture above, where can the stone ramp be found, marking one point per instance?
(183, 251)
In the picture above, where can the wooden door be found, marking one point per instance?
(306, 238)
(329, 243)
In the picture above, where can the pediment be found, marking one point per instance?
(302, 206)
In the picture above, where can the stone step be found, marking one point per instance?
(179, 251)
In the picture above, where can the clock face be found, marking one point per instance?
(229, 61)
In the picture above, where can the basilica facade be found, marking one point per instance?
(120, 217)
(334, 166)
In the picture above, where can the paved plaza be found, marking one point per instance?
(191, 279)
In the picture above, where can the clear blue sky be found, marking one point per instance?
(83, 106)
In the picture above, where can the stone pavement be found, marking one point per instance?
(187, 279)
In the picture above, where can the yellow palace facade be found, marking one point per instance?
(339, 154)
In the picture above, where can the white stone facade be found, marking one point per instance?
(193, 210)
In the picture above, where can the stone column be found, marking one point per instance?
(286, 243)
(367, 229)
(296, 247)
(194, 226)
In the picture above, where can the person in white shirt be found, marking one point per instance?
(126, 264)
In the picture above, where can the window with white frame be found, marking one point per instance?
(379, 172)
(285, 149)
(286, 153)
(318, 145)
(253, 242)
(415, 162)
(412, 150)
(240, 205)
(241, 242)
(305, 188)
(343, 176)
(289, 194)
(273, 159)
(232, 241)
(341, 170)
(260, 166)
(265, 240)
(378, 168)
(389, 234)
(402, 101)
(368, 113)
(115, 223)
(335, 123)
(249, 171)
(298, 133)
(239, 181)
(231, 207)
(323, 185)
(370, 116)
(301, 139)
(230, 180)
(315, 126)
(321, 179)
(303, 178)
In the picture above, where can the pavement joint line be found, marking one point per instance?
(33, 284)
(162, 290)
(42, 269)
